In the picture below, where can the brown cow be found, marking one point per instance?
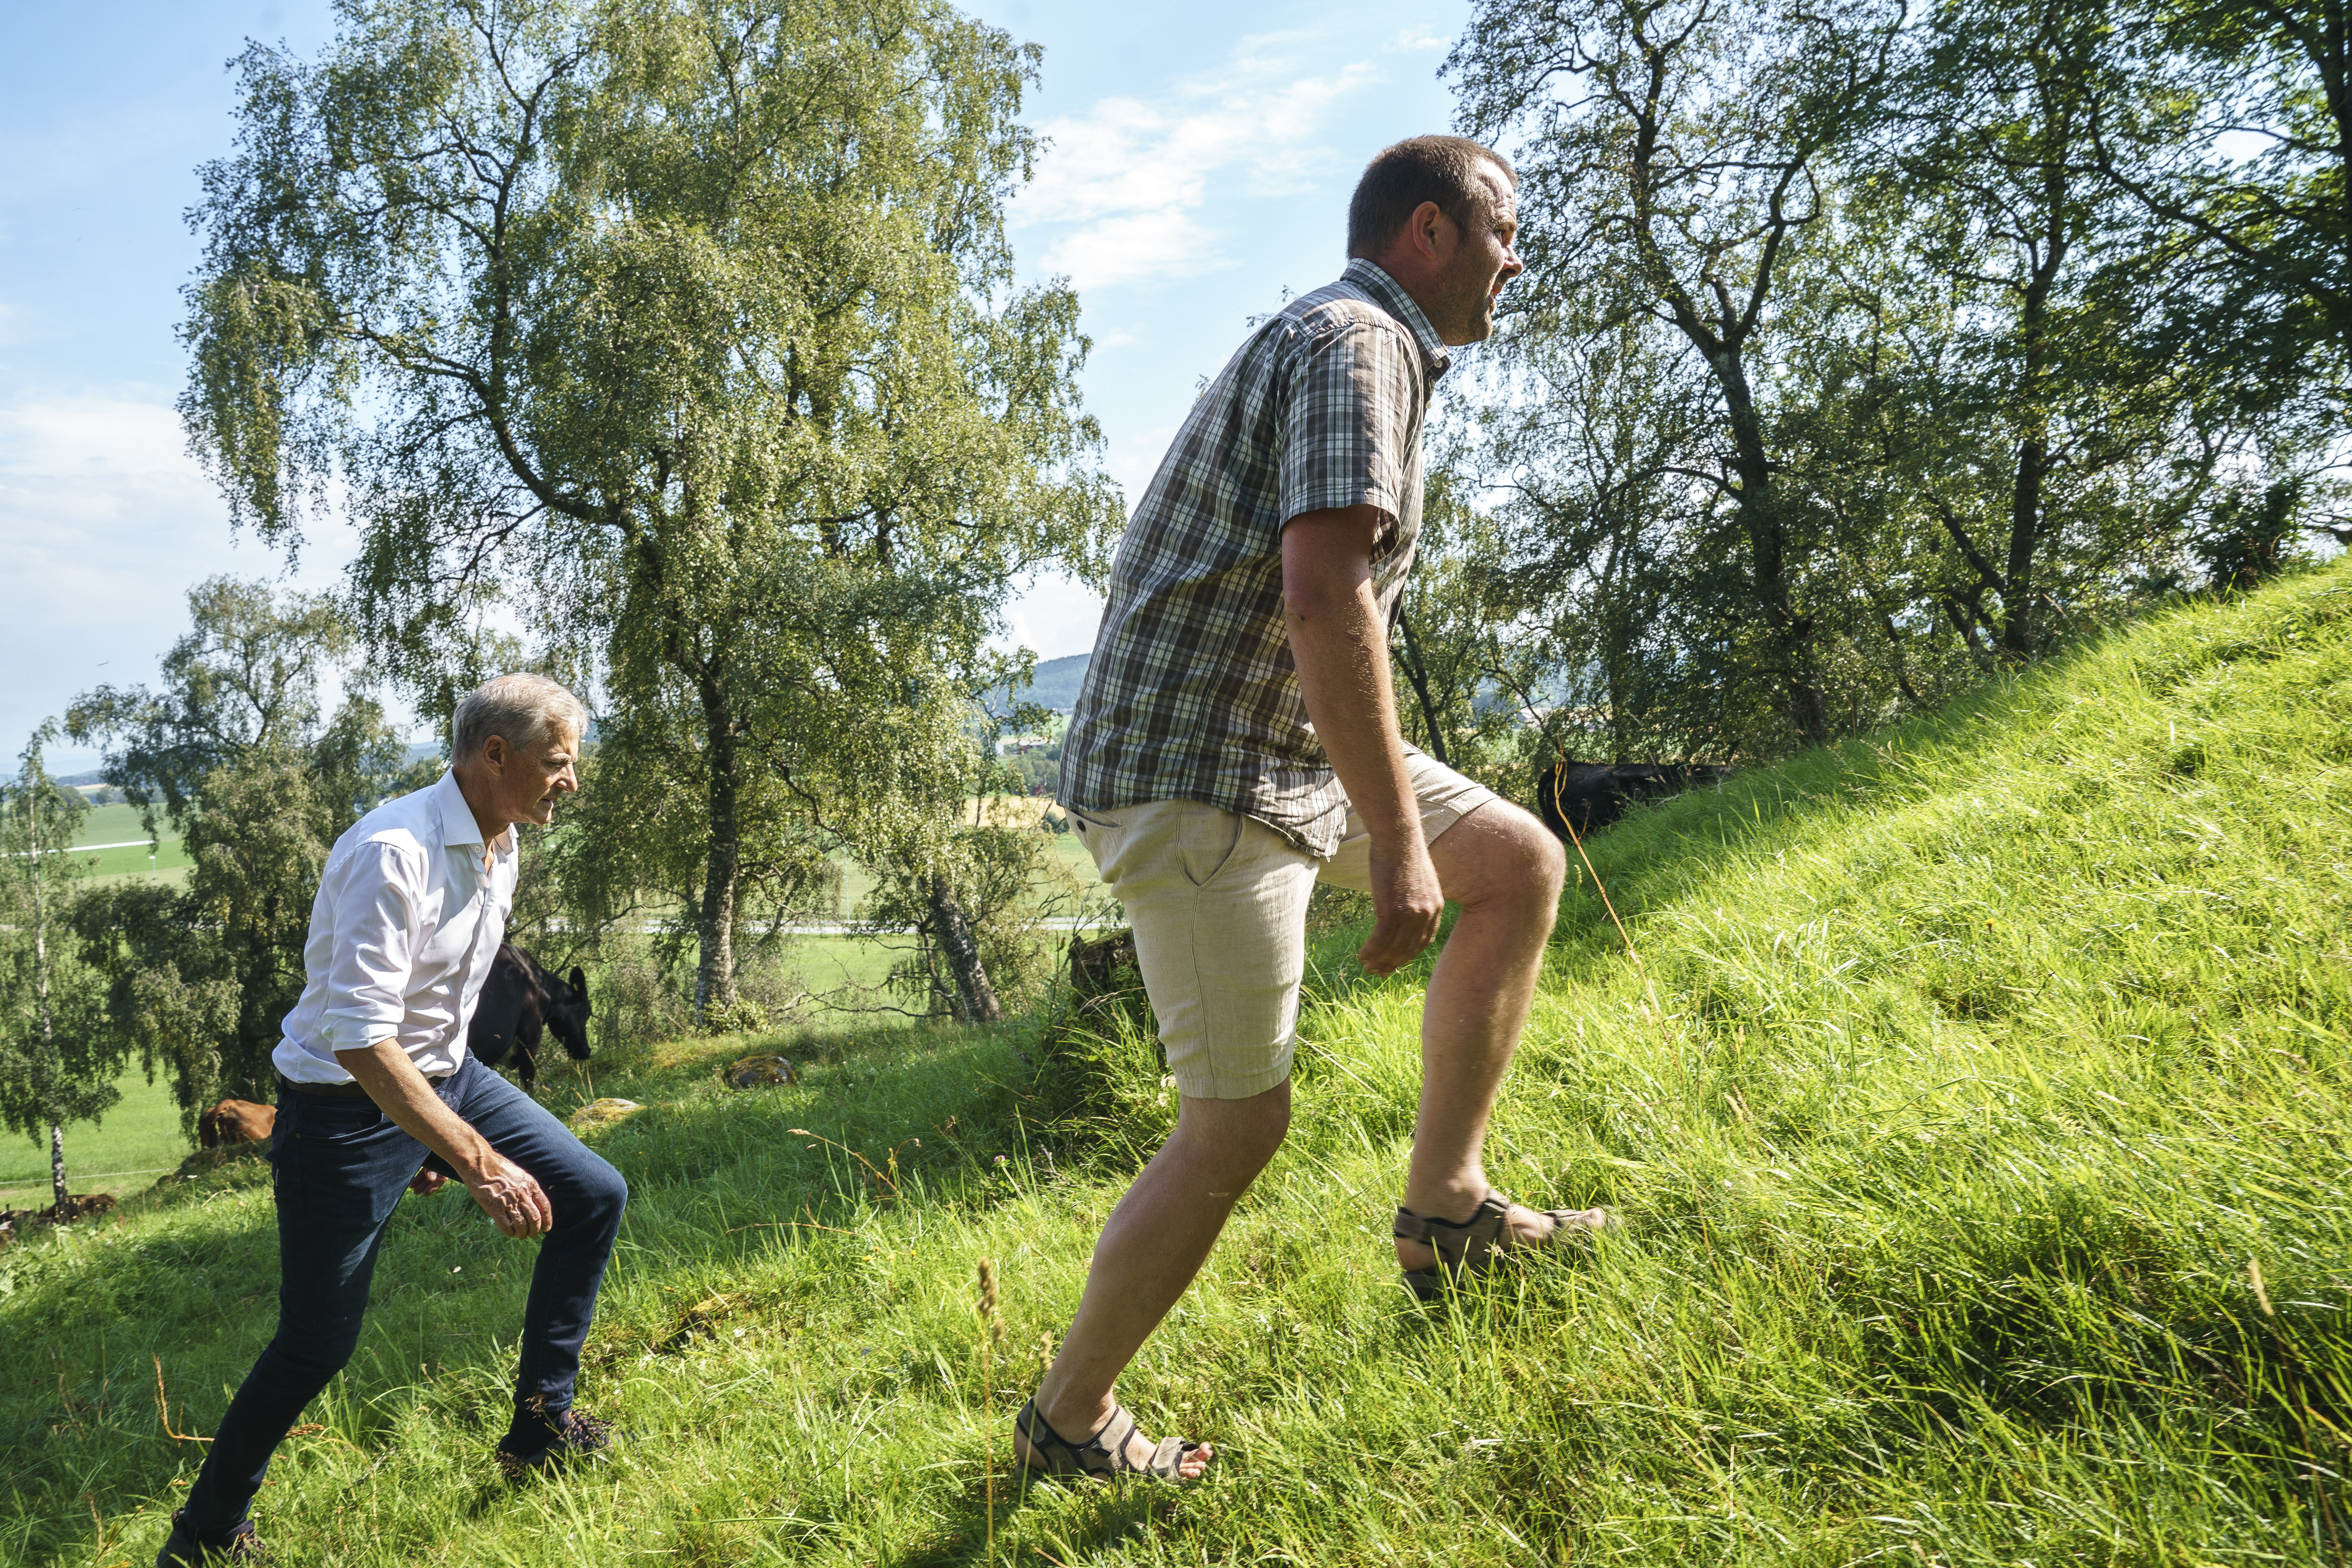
(236, 1121)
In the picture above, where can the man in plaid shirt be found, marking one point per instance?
(1237, 738)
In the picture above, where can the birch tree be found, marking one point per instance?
(682, 334)
(57, 1059)
(1674, 155)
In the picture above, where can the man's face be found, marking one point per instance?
(1483, 257)
(530, 777)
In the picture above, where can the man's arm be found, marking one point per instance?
(1339, 644)
(507, 1192)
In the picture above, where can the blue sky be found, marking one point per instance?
(1200, 160)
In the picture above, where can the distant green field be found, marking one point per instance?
(140, 1138)
(121, 824)
(857, 884)
(124, 1151)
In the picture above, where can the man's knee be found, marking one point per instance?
(602, 1193)
(1243, 1134)
(1507, 858)
(311, 1350)
(1550, 862)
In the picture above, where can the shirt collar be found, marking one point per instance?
(1373, 279)
(458, 824)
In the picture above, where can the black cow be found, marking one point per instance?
(521, 997)
(1588, 796)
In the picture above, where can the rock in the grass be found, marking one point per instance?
(15, 1222)
(603, 1113)
(759, 1072)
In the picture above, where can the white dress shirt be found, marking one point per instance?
(407, 921)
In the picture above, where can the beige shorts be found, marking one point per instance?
(1218, 903)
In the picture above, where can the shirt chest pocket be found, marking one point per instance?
(446, 947)
(451, 924)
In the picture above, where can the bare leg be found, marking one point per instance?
(1156, 1241)
(1505, 870)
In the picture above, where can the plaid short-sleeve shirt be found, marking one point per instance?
(1191, 693)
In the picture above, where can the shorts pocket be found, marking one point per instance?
(1206, 841)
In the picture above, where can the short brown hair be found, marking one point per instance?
(1441, 169)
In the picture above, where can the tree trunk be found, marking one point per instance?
(47, 1073)
(2017, 630)
(2019, 636)
(975, 997)
(1617, 658)
(1768, 548)
(714, 976)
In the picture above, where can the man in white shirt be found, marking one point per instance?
(377, 1094)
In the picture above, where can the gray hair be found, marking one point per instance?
(522, 708)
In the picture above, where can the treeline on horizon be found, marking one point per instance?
(1862, 353)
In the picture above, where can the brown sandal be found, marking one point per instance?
(1102, 1457)
(1470, 1246)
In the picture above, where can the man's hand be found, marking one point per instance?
(1408, 903)
(427, 1181)
(510, 1197)
(507, 1192)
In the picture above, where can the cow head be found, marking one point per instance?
(568, 1011)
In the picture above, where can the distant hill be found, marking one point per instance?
(417, 752)
(1057, 686)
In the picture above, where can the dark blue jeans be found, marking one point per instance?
(341, 1167)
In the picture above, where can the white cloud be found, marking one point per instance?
(105, 522)
(1134, 455)
(1127, 185)
(1053, 615)
(1419, 41)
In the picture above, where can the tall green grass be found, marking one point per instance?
(1977, 1108)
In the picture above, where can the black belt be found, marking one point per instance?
(351, 1091)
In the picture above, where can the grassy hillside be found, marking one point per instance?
(1977, 1112)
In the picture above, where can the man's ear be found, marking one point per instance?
(1428, 227)
(494, 753)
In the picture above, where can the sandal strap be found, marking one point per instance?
(1062, 1457)
(1104, 1455)
(1043, 1441)
(1467, 1245)
(1168, 1457)
(1111, 1440)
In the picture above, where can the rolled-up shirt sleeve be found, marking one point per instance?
(375, 945)
(1354, 423)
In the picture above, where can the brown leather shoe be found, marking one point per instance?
(577, 1436)
(182, 1548)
